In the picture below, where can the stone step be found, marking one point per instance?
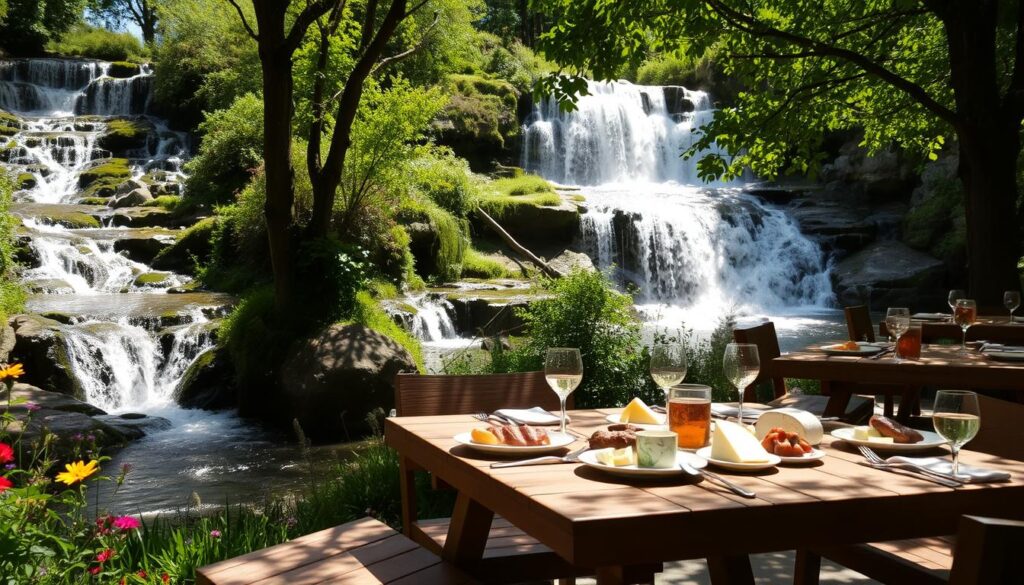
(134, 305)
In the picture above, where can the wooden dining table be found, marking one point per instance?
(597, 520)
(997, 329)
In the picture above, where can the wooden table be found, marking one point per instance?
(997, 329)
(593, 519)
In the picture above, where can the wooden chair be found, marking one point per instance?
(364, 551)
(767, 342)
(860, 328)
(510, 554)
(928, 560)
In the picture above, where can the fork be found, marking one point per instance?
(877, 461)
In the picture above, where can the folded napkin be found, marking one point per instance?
(725, 410)
(1001, 347)
(530, 416)
(944, 465)
(930, 316)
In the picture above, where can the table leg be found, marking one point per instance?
(730, 570)
(807, 568)
(467, 533)
(611, 575)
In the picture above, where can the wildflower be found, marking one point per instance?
(77, 471)
(9, 466)
(165, 578)
(215, 533)
(5, 484)
(78, 437)
(6, 453)
(127, 523)
(32, 406)
(95, 570)
(127, 468)
(11, 372)
(141, 574)
(105, 555)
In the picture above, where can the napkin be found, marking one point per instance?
(724, 410)
(1001, 347)
(944, 465)
(930, 316)
(530, 416)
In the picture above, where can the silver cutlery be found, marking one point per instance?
(546, 460)
(876, 461)
(882, 353)
(685, 466)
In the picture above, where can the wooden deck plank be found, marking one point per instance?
(335, 567)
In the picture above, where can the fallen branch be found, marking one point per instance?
(517, 247)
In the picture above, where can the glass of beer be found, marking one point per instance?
(689, 414)
(909, 345)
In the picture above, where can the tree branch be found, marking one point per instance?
(411, 51)
(318, 104)
(369, 19)
(245, 22)
(303, 21)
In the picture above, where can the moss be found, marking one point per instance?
(192, 244)
(151, 278)
(441, 253)
(123, 134)
(93, 200)
(478, 265)
(9, 119)
(480, 111)
(578, 198)
(522, 185)
(936, 225)
(72, 219)
(501, 206)
(168, 202)
(102, 187)
(114, 168)
(122, 69)
(25, 181)
(8, 130)
(369, 313)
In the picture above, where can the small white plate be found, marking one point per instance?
(590, 460)
(814, 455)
(1005, 356)
(614, 419)
(773, 460)
(836, 349)
(558, 441)
(930, 441)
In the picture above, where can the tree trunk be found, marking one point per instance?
(148, 24)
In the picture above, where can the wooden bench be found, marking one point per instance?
(364, 551)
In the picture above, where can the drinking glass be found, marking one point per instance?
(668, 366)
(1011, 300)
(897, 321)
(964, 315)
(957, 418)
(954, 295)
(741, 366)
(689, 415)
(563, 369)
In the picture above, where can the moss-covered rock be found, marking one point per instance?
(125, 134)
(40, 346)
(123, 69)
(192, 243)
(114, 168)
(209, 382)
(93, 200)
(25, 181)
(144, 217)
(9, 119)
(480, 118)
(72, 219)
(151, 279)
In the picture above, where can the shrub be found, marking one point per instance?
(444, 178)
(231, 148)
(99, 43)
(12, 295)
(667, 70)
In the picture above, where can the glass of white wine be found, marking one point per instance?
(1011, 300)
(563, 369)
(741, 365)
(668, 366)
(957, 418)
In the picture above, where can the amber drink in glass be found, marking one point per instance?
(909, 345)
(689, 414)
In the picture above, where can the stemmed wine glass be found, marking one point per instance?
(964, 315)
(668, 366)
(897, 321)
(563, 370)
(952, 298)
(741, 366)
(1011, 300)
(957, 418)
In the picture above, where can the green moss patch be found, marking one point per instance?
(122, 135)
(114, 168)
(102, 187)
(478, 265)
(122, 69)
(72, 219)
(151, 279)
(168, 202)
(193, 243)
(480, 110)
(93, 200)
(25, 181)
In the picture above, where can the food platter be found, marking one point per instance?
(838, 349)
(773, 460)
(931, 441)
(589, 459)
(558, 441)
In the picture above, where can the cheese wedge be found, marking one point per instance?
(613, 457)
(605, 456)
(638, 412)
(792, 420)
(731, 442)
(865, 433)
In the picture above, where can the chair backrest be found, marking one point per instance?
(417, 395)
(987, 551)
(858, 323)
(767, 342)
(1000, 433)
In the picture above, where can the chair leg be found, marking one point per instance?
(407, 473)
(910, 404)
(888, 405)
(807, 568)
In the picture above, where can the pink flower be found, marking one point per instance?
(215, 533)
(95, 570)
(6, 453)
(126, 523)
(104, 556)
(32, 406)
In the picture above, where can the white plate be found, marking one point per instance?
(930, 441)
(558, 441)
(865, 349)
(814, 455)
(1005, 356)
(773, 460)
(588, 459)
(614, 419)
(930, 316)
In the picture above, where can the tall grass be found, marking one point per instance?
(99, 43)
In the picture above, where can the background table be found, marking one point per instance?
(593, 519)
(997, 329)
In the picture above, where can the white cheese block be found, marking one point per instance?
(624, 456)
(638, 412)
(880, 440)
(865, 433)
(605, 456)
(793, 420)
(731, 442)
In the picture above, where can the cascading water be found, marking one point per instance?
(433, 318)
(708, 249)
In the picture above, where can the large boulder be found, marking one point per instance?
(28, 396)
(889, 273)
(208, 383)
(133, 198)
(39, 345)
(331, 381)
(144, 249)
(194, 242)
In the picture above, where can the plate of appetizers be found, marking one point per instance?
(851, 348)
(514, 440)
(638, 414)
(885, 434)
(767, 462)
(623, 462)
(790, 447)
(734, 447)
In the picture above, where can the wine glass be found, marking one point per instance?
(1011, 300)
(954, 295)
(668, 366)
(563, 370)
(741, 366)
(897, 321)
(957, 418)
(964, 315)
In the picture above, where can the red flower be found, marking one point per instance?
(165, 578)
(6, 453)
(126, 523)
(141, 574)
(104, 556)
(5, 484)
(95, 570)
(122, 581)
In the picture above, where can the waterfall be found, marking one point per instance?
(709, 248)
(55, 87)
(429, 317)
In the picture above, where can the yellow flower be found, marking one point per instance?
(77, 471)
(12, 371)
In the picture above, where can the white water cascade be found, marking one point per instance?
(706, 249)
(433, 319)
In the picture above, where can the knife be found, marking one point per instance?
(685, 466)
(546, 460)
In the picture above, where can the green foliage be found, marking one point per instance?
(477, 265)
(168, 202)
(668, 70)
(449, 45)
(481, 109)
(232, 147)
(522, 185)
(331, 273)
(936, 225)
(704, 357)
(503, 196)
(30, 24)
(451, 240)
(12, 295)
(444, 178)
(368, 313)
(99, 43)
(113, 169)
